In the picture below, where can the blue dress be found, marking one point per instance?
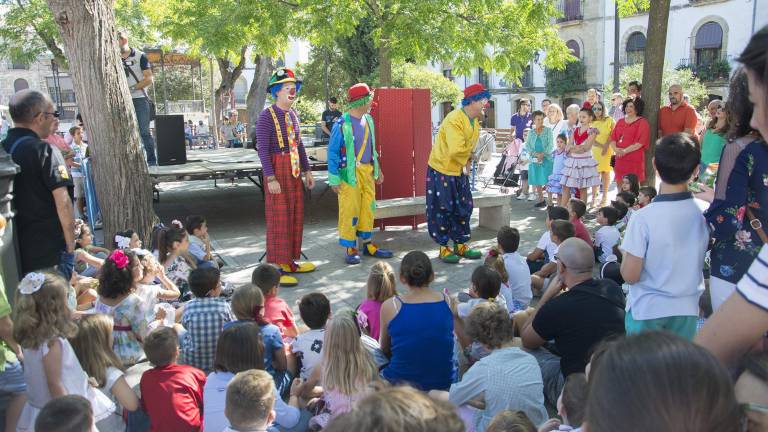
(553, 185)
(538, 172)
(422, 346)
(736, 242)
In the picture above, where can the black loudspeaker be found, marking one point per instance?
(169, 133)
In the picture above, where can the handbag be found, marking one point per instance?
(756, 225)
(152, 107)
(613, 160)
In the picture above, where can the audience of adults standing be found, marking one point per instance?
(678, 116)
(714, 137)
(601, 149)
(138, 72)
(629, 140)
(44, 214)
(616, 111)
(522, 119)
(554, 119)
(742, 320)
(540, 144)
(634, 90)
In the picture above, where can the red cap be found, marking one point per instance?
(473, 90)
(358, 91)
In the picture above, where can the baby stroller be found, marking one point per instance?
(504, 175)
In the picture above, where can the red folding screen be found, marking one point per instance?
(403, 119)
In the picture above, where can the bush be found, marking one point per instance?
(683, 76)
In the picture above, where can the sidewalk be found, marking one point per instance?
(235, 214)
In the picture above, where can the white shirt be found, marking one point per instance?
(309, 347)
(754, 284)
(671, 237)
(519, 279)
(214, 401)
(546, 244)
(202, 129)
(606, 238)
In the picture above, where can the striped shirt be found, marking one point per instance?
(267, 143)
(754, 285)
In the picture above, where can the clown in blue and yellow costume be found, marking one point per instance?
(449, 197)
(353, 171)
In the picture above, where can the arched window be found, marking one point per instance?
(574, 47)
(240, 90)
(708, 44)
(636, 48)
(20, 84)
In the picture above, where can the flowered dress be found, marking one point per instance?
(129, 329)
(736, 242)
(178, 272)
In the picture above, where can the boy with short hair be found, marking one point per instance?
(517, 293)
(628, 199)
(70, 413)
(199, 242)
(314, 309)
(559, 231)
(577, 209)
(646, 195)
(545, 244)
(664, 247)
(250, 401)
(204, 318)
(171, 394)
(608, 235)
(276, 310)
(623, 210)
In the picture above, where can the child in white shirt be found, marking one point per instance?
(315, 309)
(607, 236)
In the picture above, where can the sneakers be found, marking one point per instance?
(465, 251)
(520, 196)
(351, 256)
(294, 267)
(447, 255)
(540, 204)
(370, 249)
(532, 197)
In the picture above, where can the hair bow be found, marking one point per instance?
(120, 259)
(31, 283)
(177, 223)
(493, 253)
(122, 242)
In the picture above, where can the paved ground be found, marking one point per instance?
(235, 214)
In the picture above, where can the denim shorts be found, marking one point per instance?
(12, 379)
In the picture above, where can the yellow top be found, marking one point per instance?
(604, 126)
(455, 141)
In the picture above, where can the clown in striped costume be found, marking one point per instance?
(353, 168)
(284, 161)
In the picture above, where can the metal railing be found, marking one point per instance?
(526, 80)
(181, 107)
(708, 70)
(572, 10)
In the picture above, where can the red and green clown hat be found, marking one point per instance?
(359, 95)
(280, 76)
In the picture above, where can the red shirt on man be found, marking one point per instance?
(677, 120)
(172, 397)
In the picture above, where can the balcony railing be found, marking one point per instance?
(572, 79)
(572, 10)
(708, 71)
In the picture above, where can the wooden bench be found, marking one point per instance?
(495, 210)
(503, 137)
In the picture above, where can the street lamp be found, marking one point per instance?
(56, 83)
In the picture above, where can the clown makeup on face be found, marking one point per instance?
(287, 93)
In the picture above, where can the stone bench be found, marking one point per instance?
(495, 210)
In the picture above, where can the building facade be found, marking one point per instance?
(703, 35)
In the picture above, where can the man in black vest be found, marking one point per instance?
(138, 71)
(44, 215)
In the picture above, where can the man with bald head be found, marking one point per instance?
(577, 312)
(44, 214)
(678, 116)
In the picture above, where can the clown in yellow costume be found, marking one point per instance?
(353, 172)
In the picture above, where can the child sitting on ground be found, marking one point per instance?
(607, 236)
(577, 209)
(630, 183)
(204, 317)
(85, 241)
(628, 199)
(250, 402)
(127, 239)
(622, 210)
(315, 309)
(518, 293)
(276, 310)
(572, 404)
(173, 254)
(347, 369)
(248, 305)
(93, 348)
(117, 285)
(42, 324)
(380, 287)
(149, 291)
(70, 413)
(88, 258)
(559, 231)
(199, 242)
(665, 282)
(239, 349)
(646, 195)
(536, 259)
(171, 394)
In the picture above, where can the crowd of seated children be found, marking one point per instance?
(541, 261)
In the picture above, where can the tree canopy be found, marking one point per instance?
(691, 85)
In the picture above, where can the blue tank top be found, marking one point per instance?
(422, 346)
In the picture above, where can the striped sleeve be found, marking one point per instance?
(754, 285)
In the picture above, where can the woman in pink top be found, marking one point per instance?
(57, 141)
(380, 287)
(629, 140)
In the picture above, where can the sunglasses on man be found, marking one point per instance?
(55, 113)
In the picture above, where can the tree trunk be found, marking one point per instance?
(229, 74)
(120, 171)
(257, 94)
(653, 69)
(385, 66)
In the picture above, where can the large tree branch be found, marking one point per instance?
(49, 42)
